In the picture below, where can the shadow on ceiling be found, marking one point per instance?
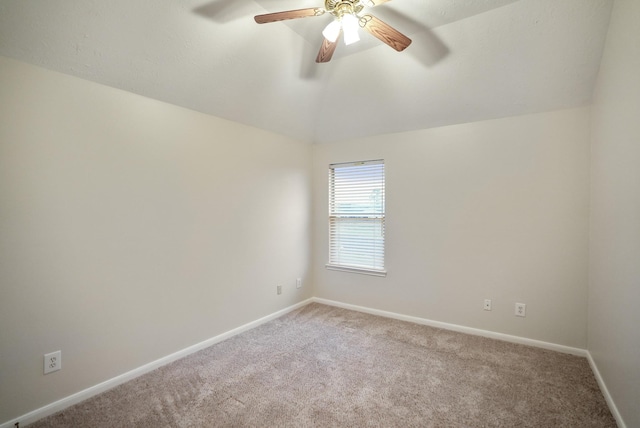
(222, 11)
(426, 48)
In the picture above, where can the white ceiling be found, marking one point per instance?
(470, 59)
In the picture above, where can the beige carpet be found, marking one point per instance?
(324, 366)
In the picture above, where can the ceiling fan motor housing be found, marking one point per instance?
(339, 8)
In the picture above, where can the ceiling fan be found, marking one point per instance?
(348, 17)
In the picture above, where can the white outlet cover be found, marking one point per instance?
(487, 304)
(521, 310)
(52, 362)
(298, 282)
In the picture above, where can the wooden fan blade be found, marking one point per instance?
(326, 51)
(385, 32)
(289, 14)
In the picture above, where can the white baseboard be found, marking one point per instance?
(118, 380)
(458, 328)
(605, 391)
(493, 335)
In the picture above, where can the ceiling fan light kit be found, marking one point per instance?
(332, 31)
(348, 17)
(350, 28)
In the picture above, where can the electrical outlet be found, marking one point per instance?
(487, 304)
(279, 289)
(299, 283)
(521, 310)
(52, 362)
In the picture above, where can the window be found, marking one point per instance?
(356, 217)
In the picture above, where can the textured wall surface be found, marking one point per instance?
(495, 209)
(614, 292)
(131, 229)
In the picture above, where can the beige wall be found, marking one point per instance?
(614, 291)
(131, 229)
(495, 209)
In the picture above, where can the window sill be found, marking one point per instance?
(363, 271)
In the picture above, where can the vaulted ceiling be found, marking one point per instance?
(470, 60)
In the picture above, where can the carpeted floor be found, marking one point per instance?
(325, 366)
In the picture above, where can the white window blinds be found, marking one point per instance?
(356, 216)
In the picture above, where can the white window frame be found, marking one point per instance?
(352, 212)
